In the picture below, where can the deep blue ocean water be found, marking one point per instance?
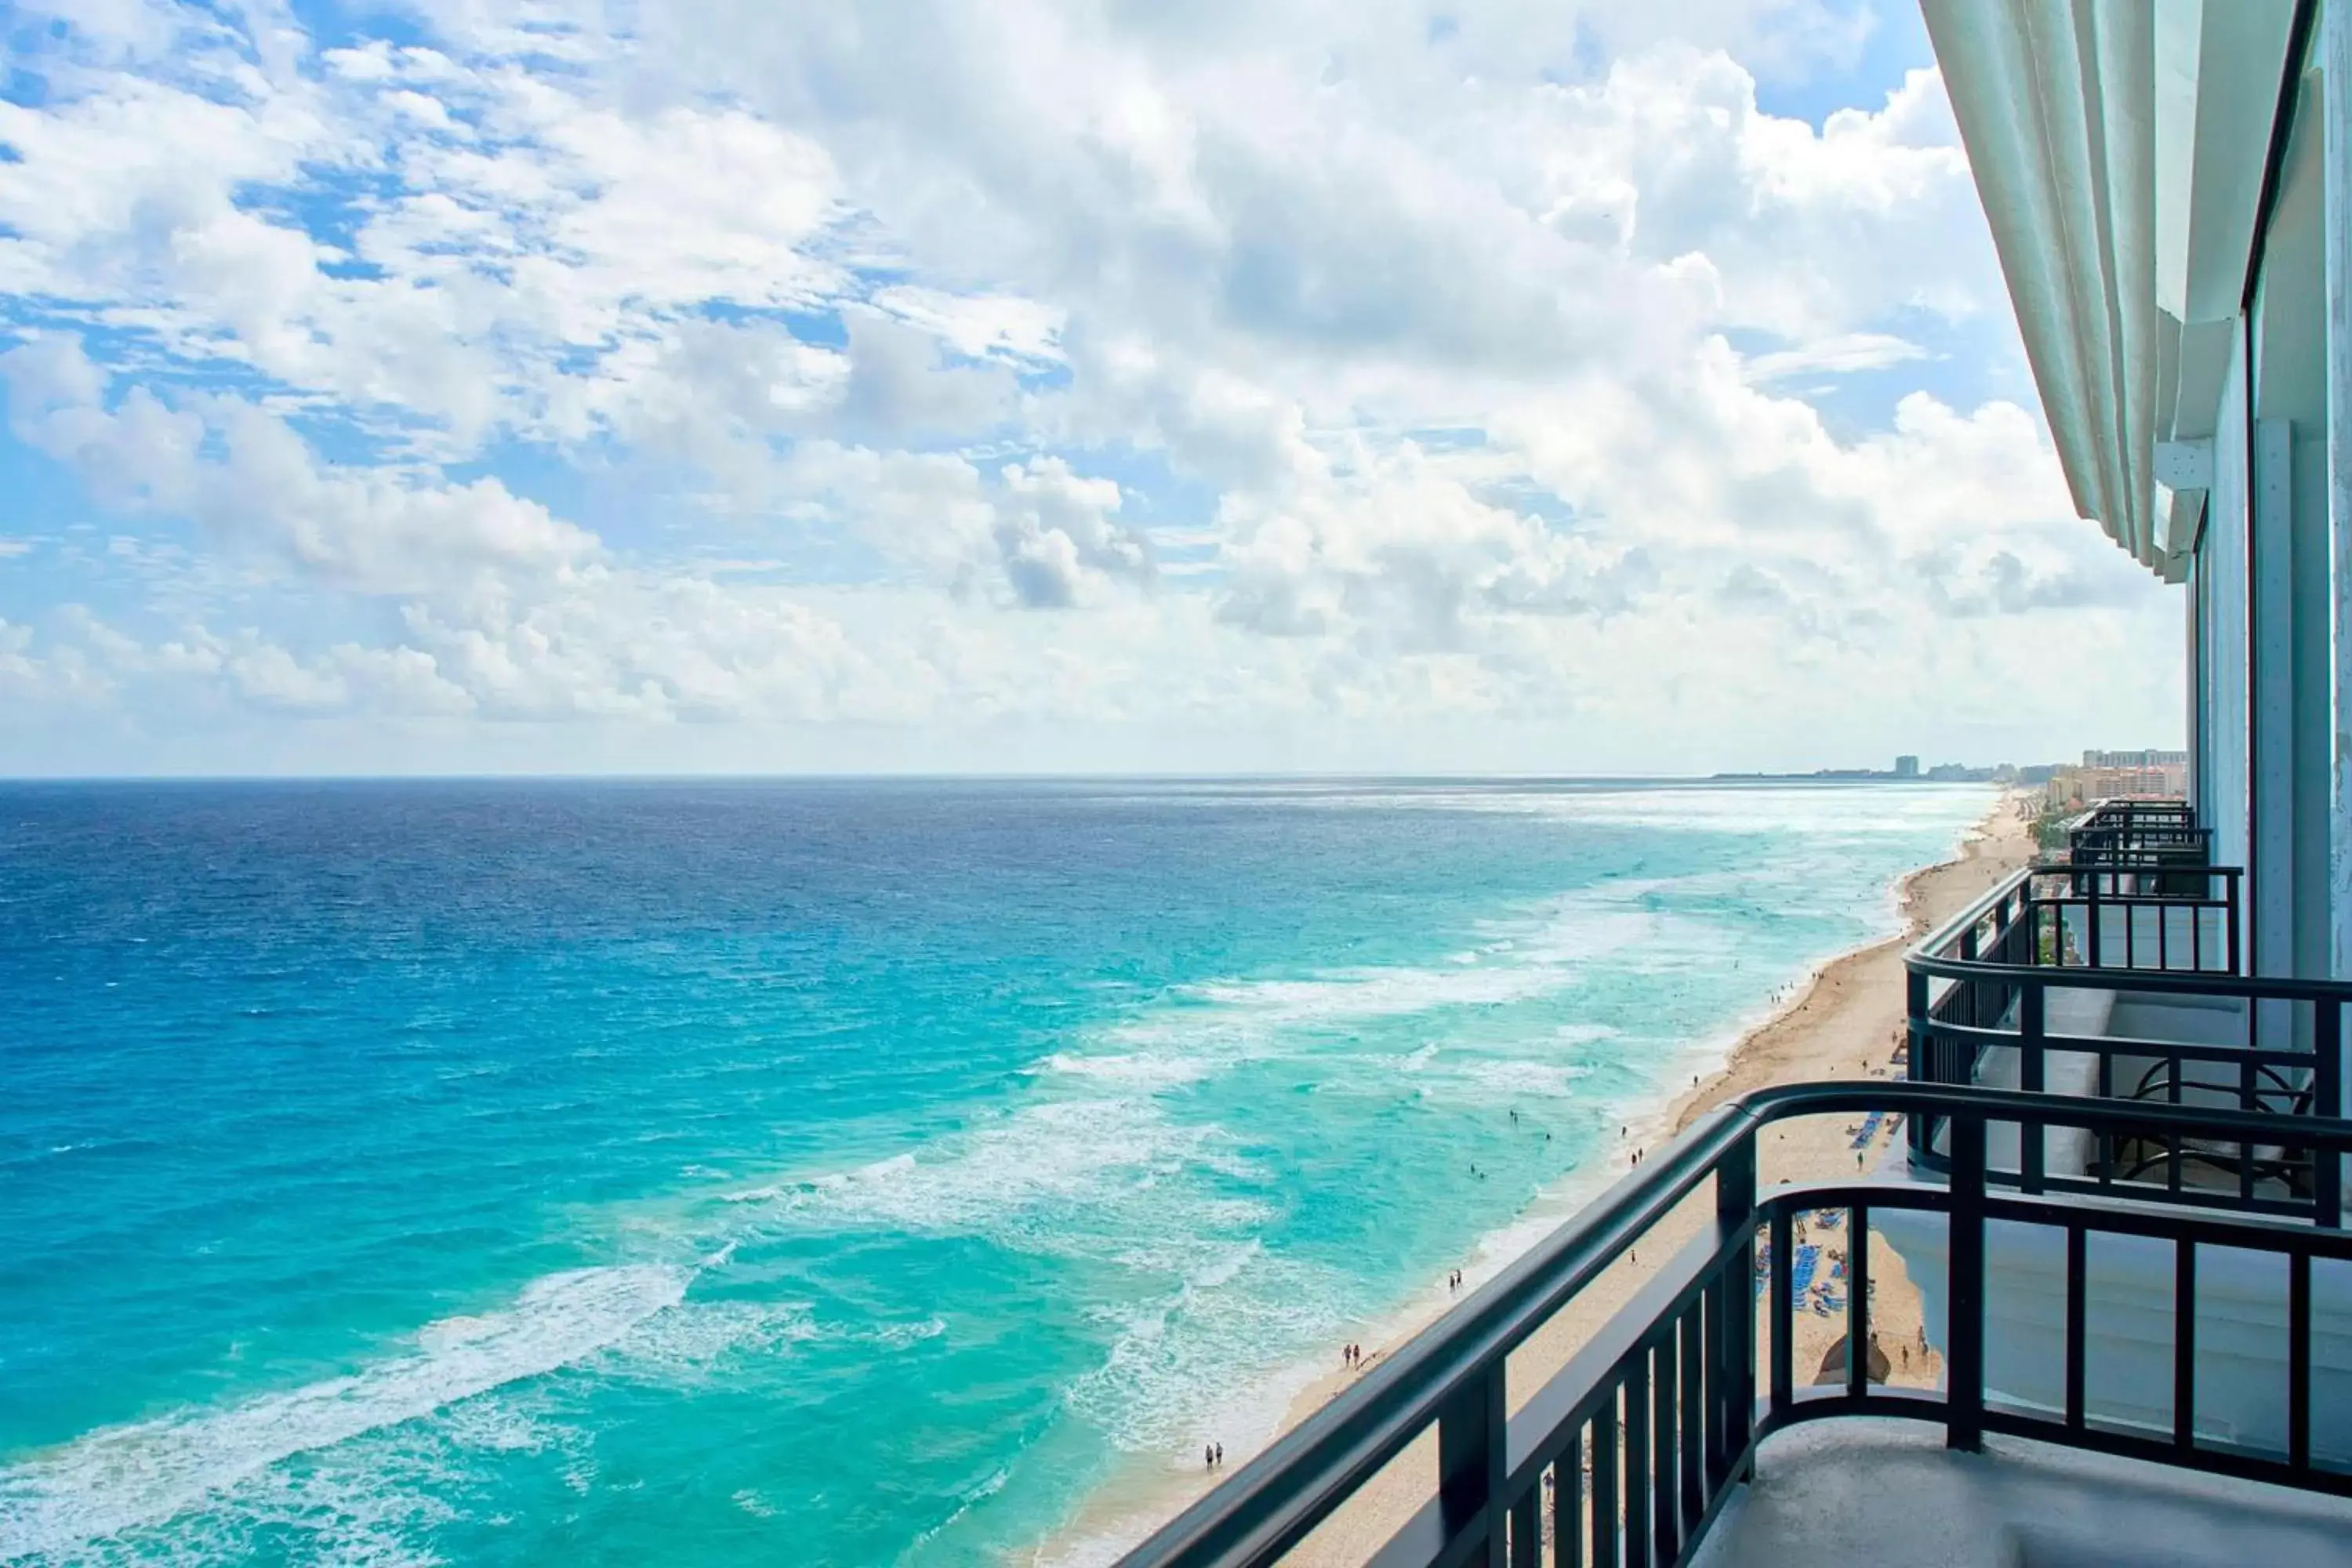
(815, 1173)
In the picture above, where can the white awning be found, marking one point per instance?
(2119, 147)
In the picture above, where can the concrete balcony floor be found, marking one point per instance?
(1875, 1493)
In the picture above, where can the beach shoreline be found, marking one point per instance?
(1843, 1020)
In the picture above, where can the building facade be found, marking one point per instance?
(2169, 185)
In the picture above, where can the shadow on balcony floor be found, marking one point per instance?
(1868, 1492)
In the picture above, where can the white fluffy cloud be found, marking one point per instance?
(1311, 381)
(238, 469)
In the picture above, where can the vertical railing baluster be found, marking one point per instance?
(2032, 1070)
(2298, 1359)
(1715, 1457)
(1637, 1460)
(2078, 1347)
(1526, 1526)
(1857, 1304)
(1693, 1422)
(1470, 1458)
(1968, 997)
(2249, 1099)
(2184, 1344)
(1568, 1502)
(2327, 1099)
(2106, 1140)
(1605, 1431)
(1735, 1387)
(2230, 931)
(1782, 1308)
(1666, 1398)
(2172, 1145)
(1915, 1065)
(1964, 1357)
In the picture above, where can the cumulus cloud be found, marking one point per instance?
(1058, 533)
(1090, 369)
(244, 473)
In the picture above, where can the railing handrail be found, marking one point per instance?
(2134, 806)
(2124, 817)
(2174, 981)
(1931, 955)
(1273, 1501)
(1347, 1441)
(1948, 934)
(1974, 915)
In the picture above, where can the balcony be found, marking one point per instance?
(1633, 1453)
(2137, 825)
(2115, 972)
(2124, 1213)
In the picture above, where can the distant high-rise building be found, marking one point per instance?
(1906, 767)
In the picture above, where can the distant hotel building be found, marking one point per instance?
(2115, 775)
(1906, 767)
(2135, 758)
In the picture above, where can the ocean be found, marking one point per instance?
(845, 1172)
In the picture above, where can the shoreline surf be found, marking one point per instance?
(1756, 1051)
(996, 1181)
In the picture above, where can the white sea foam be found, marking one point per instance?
(1142, 1069)
(1203, 1361)
(1500, 1079)
(123, 1478)
(1211, 1027)
(697, 1340)
(1218, 1024)
(1055, 1153)
(987, 1488)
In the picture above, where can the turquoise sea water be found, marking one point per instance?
(802, 1172)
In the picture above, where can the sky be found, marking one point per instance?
(1595, 386)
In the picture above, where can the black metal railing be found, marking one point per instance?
(2142, 835)
(2116, 917)
(2027, 988)
(2125, 811)
(1627, 1455)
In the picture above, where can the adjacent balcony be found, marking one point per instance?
(2116, 973)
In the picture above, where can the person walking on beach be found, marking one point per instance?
(1221, 1455)
(1208, 1455)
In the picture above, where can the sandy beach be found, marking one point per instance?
(1847, 1023)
